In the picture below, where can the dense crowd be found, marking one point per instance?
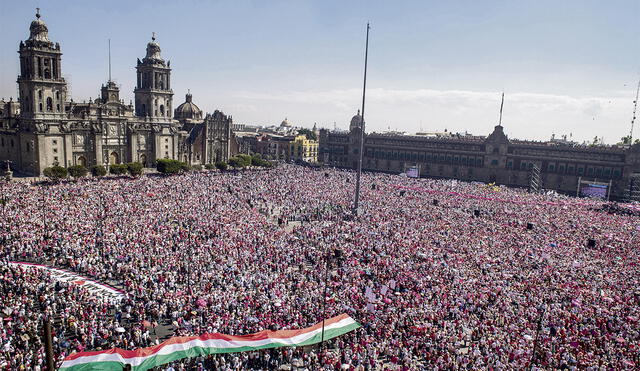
(433, 286)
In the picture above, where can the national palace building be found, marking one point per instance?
(44, 127)
(556, 165)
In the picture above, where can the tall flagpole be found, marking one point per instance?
(360, 153)
(501, 105)
(633, 119)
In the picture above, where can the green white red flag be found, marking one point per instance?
(192, 346)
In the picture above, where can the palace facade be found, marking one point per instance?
(45, 128)
(494, 158)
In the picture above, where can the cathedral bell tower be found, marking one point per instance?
(42, 89)
(153, 94)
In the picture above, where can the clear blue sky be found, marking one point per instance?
(565, 66)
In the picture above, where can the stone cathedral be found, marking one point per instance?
(44, 128)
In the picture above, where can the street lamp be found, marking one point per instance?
(327, 264)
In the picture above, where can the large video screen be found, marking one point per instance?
(413, 172)
(594, 190)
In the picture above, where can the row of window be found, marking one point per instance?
(566, 154)
(572, 169)
(49, 102)
(425, 157)
(153, 80)
(158, 110)
(424, 143)
(45, 68)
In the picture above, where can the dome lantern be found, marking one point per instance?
(38, 30)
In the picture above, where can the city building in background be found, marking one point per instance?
(285, 142)
(45, 128)
(303, 149)
(559, 165)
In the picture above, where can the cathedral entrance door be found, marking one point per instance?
(114, 158)
(82, 161)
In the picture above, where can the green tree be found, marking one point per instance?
(245, 159)
(77, 171)
(209, 166)
(240, 161)
(98, 171)
(55, 173)
(169, 166)
(118, 169)
(234, 162)
(626, 140)
(310, 134)
(134, 168)
(257, 160)
(221, 165)
(196, 167)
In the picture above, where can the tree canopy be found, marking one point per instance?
(55, 173)
(310, 134)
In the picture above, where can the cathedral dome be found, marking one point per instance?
(188, 110)
(285, 123)
(38, 30)
(356, 121)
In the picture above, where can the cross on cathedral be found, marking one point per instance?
(153, 36)
(37, 12)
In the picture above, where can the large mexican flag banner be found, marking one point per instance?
(192, 346)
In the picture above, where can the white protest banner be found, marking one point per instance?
(64, 275)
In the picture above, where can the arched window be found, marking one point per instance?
(49, 104)
(161, 110)
(39, 94)
(57, 108)
(40, 107)
(47, 73)
(57, 95)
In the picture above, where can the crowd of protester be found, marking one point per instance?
(434, 285)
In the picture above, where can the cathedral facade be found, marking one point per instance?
(44, 128)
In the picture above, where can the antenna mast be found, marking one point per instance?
(633, 119)
(109, 60)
